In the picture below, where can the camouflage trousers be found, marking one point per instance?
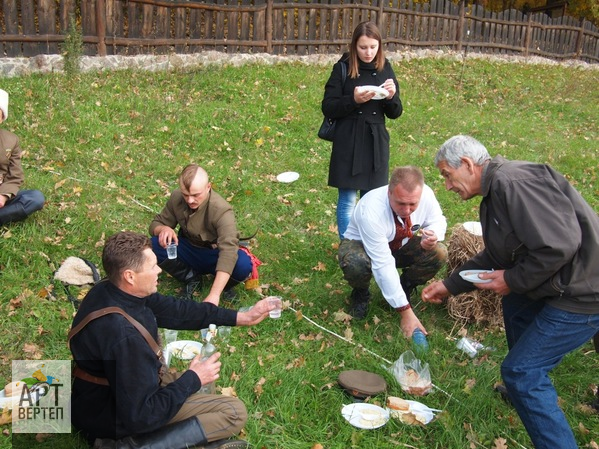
(418, 265)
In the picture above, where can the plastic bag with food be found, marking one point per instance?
(412, 374)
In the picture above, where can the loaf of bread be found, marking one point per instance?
(395, 403)
(13, 388)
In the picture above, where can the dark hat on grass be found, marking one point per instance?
(362, 384)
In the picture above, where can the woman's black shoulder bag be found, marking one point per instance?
(327, 129)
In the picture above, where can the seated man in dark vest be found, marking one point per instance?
(121, 396)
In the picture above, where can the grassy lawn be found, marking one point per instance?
(105, 148)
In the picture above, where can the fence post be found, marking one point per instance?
(101, 26)
(379, 19)
(579, 39)
(528, 36)
(460, 28)
(268, 24)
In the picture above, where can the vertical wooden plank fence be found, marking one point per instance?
(285, 27)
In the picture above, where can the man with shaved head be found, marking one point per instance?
(207, 240)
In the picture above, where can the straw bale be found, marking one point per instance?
(478, 306)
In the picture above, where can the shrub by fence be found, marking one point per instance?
(301, 27)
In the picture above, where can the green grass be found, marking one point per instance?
(106, 148)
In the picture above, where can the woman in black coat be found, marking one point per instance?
(360, 156)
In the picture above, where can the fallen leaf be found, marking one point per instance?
(342, 316)
(32, 351)
(470, 383)
(229, 391)
(348, 334)
(41, 437)
(258, 386)
(320, 267)
(59, 184)
(500, 443)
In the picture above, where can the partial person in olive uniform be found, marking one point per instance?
(360, 154)
(15, 204)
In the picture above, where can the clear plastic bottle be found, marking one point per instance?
(419, 341)
(207, 350)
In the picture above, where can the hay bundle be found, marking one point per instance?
(478, 306)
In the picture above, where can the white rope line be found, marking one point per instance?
(364, 349)
(343, 338)
(101, 187)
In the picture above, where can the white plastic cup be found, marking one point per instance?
(171, 251)
(467, 346)
(170, 335)
(278, 301)
(224, 332)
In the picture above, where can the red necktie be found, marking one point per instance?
(401, 232)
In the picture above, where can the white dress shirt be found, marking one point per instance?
(372, 223)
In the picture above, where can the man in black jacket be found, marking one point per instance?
(541, 239)
(121, 398)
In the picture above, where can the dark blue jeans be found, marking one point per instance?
(538, 337)
(203, 260)
(21, 206)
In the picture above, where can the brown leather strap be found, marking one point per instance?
(108, 310)
(78, 372)
(84, 375)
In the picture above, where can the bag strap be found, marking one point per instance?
(343, 73)
(95, 273)
(108, 310)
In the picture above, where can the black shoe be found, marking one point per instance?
(230, 295)
(191, 287)
(359, 303)
(500, 388)
(359, 310)
(230, 292)
(408, 288)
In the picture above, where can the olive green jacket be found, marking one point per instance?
(212, 225)
(11, 172)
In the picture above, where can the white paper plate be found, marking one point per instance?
(184, 349)
(365, 416)
(423, 413)
(8, 402)
(380, 93)
(472, 276)
(473, 227)
(288, 176)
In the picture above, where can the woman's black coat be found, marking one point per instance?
(360, 156)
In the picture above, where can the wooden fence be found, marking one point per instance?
(300, 27)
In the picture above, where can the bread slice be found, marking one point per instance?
(395, 403)
(13, 388)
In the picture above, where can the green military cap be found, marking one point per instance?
(362, 384)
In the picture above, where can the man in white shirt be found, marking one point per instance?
(395, 226)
